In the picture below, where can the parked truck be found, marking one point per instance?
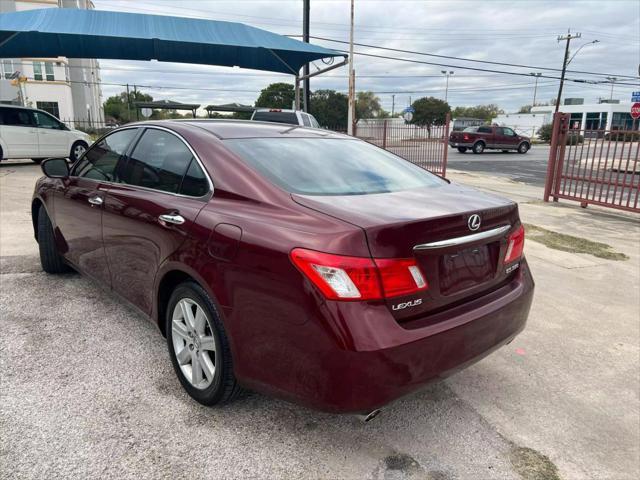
(478, 139)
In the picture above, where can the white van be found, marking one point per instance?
(36, 134)
(292, 117)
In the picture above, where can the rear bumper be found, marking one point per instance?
(460, 144)
(385, 362)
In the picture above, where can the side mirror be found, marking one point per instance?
(55, 167)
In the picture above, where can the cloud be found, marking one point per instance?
(521, 32)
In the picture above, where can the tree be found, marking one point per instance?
(483, 112)
(430, 111)
(330, 108)
(525, 109)
(277, 95)
(118, 108)
(368, 105)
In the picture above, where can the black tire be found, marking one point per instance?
(523, 147)
(74, 155)
(37, 160)
(224, 387)
(462, 149)
(478, 147)
(50, 259)
(505, 151)
(1, 155)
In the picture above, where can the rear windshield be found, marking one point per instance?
(330, 166)
(278, 117)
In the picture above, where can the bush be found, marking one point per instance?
(544, 132)
(574, 139)
(622, 136)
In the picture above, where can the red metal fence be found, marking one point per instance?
(425, 146)
(598, 167)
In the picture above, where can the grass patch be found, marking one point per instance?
(532, 465)
(569, 243)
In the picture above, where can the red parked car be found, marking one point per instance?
(478, 139)
(296, 262)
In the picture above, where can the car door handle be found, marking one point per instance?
(172, 218)
(96, 200)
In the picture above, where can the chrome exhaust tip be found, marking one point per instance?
(367, 417)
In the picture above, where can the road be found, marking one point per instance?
(530, 168)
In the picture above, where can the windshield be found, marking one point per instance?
(330, 166)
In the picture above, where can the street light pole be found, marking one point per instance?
(613, 81)
(535, 87)
(352, 80)
(446, 90)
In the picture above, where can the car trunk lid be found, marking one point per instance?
(432, 226)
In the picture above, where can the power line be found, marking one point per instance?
(449, 57)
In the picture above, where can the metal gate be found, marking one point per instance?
(598, 167)
(425, 146)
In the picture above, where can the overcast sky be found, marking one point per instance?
(513, 31)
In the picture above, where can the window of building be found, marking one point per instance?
(622, 121)
(38, 68)
(9, 67)
(51, 107)
(575, 122)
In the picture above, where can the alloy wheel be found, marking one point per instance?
(193, 343)
(78, 151)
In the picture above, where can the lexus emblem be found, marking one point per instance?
(474, 222)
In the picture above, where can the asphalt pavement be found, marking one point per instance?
(529, 168)
(87, 389)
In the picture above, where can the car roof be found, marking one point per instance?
(11, 105)
(227, 129)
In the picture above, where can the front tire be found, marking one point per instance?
(199, 347)
(50, 259)
(462, 149)
(37, 160)
(478, 148)
(523, 147)
(77, 150)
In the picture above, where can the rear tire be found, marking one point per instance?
(478, 147)
(462, 149)
(201, 340)
(37, 160)
(505, 151)
(523, 147)
(50, 259)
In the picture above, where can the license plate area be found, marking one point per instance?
(468, 268)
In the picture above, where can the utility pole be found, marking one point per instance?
(393, 104)
(135, 96)
(613, 81)
(446, 90)
(305, 38)
(128, 104)
(568, 39)
(352, 80)
(535, 87)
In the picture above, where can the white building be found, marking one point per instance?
(66, 88)
(584, 116)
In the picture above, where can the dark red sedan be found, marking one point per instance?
(296, 262)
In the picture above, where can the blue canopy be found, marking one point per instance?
(76, 33)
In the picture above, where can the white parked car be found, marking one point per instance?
(36, 134)
(278, 115)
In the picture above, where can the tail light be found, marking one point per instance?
(515, 245)
(340, 277)
(465, 137)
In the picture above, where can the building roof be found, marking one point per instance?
(78, 33)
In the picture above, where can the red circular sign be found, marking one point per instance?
(635, 110)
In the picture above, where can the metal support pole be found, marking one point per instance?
(352, 80)
(297, 94)
(305, 38)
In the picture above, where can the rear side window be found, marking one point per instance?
(17, 117)
(485, 130)
(471, 129)
(330, 166)
(100, 161)
(195, 182)
(277, 117)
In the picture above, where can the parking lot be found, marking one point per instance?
(87, 389)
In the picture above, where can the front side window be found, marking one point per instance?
(159, 161)
(47, 121)
(18, 117)
(508, 132)
(100, 161)
(330, 166)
